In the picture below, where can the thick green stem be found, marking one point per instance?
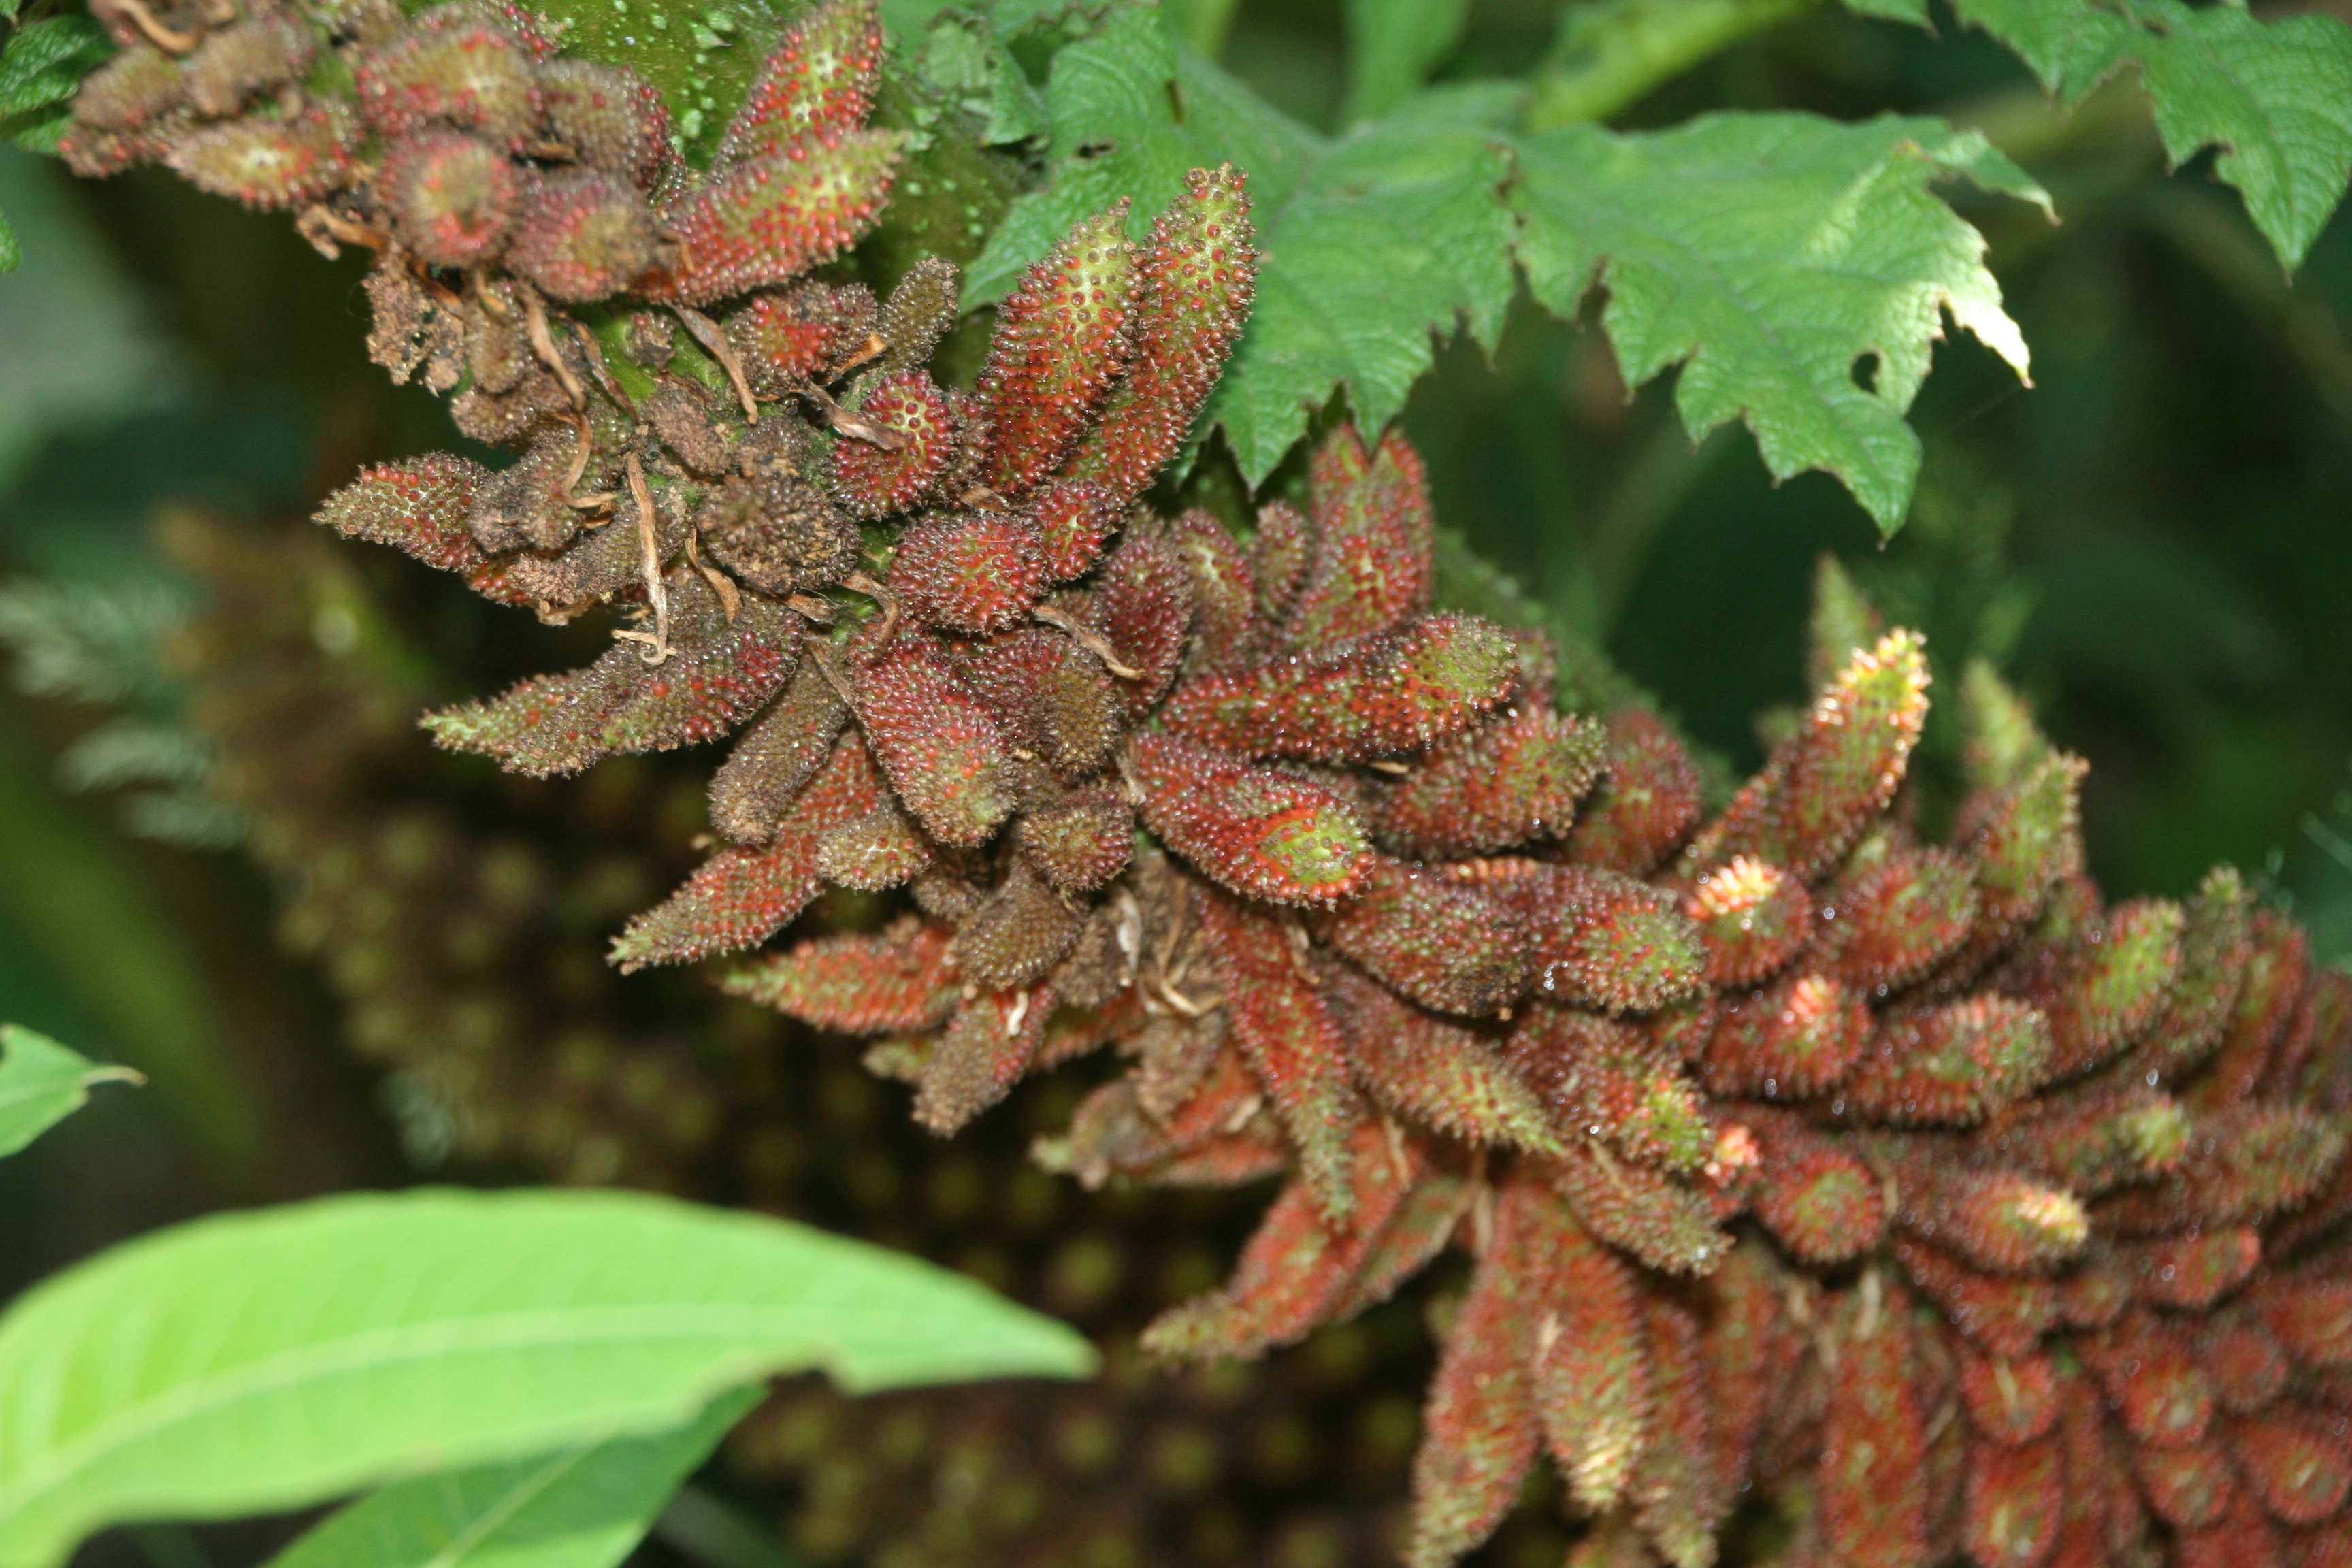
(1203, 23)
(1614, 53)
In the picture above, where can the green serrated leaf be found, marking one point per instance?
(1131, 111)
(41, 1081)
(1393, 234)
(1393, 45)
(1769, 253)
(263, 1360)
(46, 60)
(1370, 243)
(582, 1507)
(2275, 96)
(964, 59)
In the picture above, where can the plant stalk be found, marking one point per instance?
(1612, 54)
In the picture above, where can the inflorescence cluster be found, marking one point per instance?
(1907, 1188)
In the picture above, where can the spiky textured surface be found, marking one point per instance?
(454, 914)
(1972, 1112)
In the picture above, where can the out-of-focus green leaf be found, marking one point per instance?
(9, 253)
(268, 1360)
(1393, 45)
(582, 1507)
(46, 60)
(42, 1083)
(1768, 255)
(964, 57)
(2275, 96)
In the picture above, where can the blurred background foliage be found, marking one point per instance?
(2155, 540)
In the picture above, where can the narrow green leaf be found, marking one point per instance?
(11, 255)
(46, 60)
(41, 1082)
(1769, 253)
(582, 1507)
(1393, 45)
(262, 1361)
(2275, 96)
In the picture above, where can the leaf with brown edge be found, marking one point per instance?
(1424, 1221)
(418, 506)
(1224, 595)
(1751, 916)
(1297, 1270)
(2277, 971)
(2242, 1165)
(1294, 1045)
(2215, 956)
(1022, 929)
(769, 219)
(1819, 1200)
(1750, 1357)
(888, 982)
(1480, 1430)
(1436, 1072)
(2007, 1317)
(1952, 1065)
(1592, 1367)
(1886, 924)
(2297, 1460)
(872, 481)
(1801, 1037)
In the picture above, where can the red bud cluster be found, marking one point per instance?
(1904, 1188)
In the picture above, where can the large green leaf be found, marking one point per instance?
(2276, 96)
(1372, 242)
(1768, 252)
(42, 1083)
(272, 1359)
(1768, 255)
(582, 1507)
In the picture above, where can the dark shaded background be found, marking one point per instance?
(2153, 542)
